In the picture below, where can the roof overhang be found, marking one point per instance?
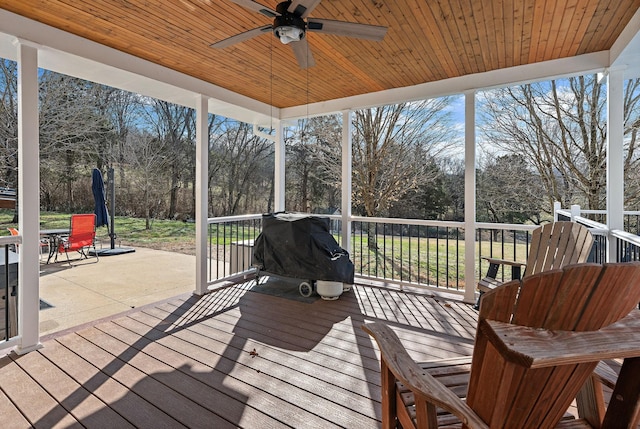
(69, 54)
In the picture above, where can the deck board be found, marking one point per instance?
(233, 358)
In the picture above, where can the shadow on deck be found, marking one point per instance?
(233, 358)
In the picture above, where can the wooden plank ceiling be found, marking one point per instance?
(426, 40)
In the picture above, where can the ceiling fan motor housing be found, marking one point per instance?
(287, 19)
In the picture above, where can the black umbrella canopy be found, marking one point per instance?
(97, 186)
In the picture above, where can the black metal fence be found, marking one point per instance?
(8, 288)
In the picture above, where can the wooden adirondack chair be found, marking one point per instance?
(553, 246)
(537, 344)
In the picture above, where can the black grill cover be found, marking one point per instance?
(300, 246)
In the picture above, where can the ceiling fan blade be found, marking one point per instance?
(242, 37)
(303, 8)
(303, 53)
(349, 29)
(256, 7)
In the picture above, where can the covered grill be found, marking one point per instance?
(301, 246)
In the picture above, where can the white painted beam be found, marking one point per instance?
(581, 64)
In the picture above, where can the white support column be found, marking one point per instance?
(347, 133)
(279, 170)
(470, 196)
(28, 198)
(202, 193)
(615, 156)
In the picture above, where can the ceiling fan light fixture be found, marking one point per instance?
(288, 34)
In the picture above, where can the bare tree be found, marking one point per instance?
(389, 150)
(559, 127)
(72, 133)
(9, 126)
(146, 161)
(313, 164)
(509, 191)
(175, 127)
(242, 158)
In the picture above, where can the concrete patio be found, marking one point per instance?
(89, 291)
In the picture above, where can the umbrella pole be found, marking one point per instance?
(112, 232)
(112, 198)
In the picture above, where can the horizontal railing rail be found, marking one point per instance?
(631, 218)
(627, 246)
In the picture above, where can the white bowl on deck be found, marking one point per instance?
(329, 290)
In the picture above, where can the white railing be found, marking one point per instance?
(410, 252)
(406, 252)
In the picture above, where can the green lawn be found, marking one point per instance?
(164, 234)
(424, 260)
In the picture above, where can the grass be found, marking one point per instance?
(430, 261)
(422, 260)
(171, 235)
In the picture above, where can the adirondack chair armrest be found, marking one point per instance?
(405, 369)
(538, 348)
(498, 261)
(489, 281)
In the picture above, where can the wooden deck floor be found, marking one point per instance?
(234, 358)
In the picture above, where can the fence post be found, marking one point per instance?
(556, 206)
(575, 212)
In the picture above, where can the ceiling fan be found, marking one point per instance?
(290, 27)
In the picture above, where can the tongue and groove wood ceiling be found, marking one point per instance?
(426, 40)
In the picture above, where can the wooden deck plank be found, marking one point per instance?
(183, 410)
(241, 383)
(181, 378)
(300, 381)
(233, 358)
(40, 409)
(71, 396)
(131, 406)
(11, 417)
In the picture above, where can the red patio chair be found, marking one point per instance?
(82, 237)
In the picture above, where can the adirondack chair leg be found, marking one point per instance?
(477, 305)
(425, 413)
(590, 403)
(624, 406)
(389, 413)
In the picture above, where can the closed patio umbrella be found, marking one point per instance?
(97, 186)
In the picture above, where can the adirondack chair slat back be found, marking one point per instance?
(578, 298)
(556, 245)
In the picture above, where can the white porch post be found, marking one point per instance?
(347, 132)
(615, 156)
(279, 170)
(469, 196)
(202, 193)
(28, 198)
